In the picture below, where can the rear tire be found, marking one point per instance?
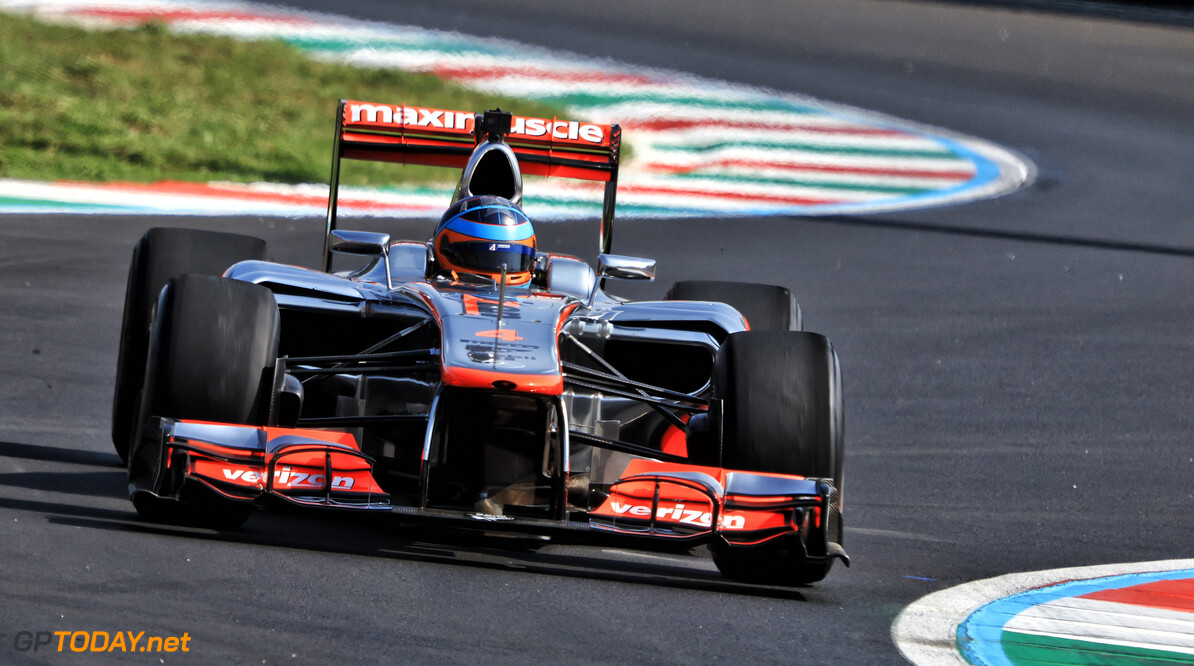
(159, 255)
(766, 307)
(214, 344)
(782, 413)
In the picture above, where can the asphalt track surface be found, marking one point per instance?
(1019, 372)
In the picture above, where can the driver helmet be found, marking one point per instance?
(478, 234)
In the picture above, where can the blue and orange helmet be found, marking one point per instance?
(479, 234)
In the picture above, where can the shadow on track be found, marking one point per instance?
(53, 509)
(347, 534)
(376, 540)
(55, 454)
(1028, 237)
(1164, 12)
(99, 484)
(106, 483)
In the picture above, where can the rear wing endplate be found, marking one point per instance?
(439, 137)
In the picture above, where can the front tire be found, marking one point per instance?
(214, 344)
(161, 254)
(768, 564)
(782, 413)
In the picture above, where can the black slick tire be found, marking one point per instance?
(213, 347)
(161, 254)
(782, 413)
(766, 307)
(782, 403)
(768, 565)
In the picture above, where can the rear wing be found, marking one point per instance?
(439, 137)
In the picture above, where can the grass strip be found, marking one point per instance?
(147, 104)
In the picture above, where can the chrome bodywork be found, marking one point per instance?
(524, 381)
(568, 306)
(625, 268)
(592, 362)
(551, 406)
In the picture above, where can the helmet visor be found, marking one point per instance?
(488, 257)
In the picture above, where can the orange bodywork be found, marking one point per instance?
(668, 500)
(477, 378)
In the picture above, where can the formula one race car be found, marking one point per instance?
(472, 381)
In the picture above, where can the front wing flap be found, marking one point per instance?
(677, 501)
(300, 466)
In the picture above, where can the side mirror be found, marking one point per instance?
(620, 267)
(360, 242)
(367, 243)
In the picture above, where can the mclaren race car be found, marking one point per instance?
(472, 380)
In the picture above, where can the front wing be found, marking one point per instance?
(306, 467)
(645, 501)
